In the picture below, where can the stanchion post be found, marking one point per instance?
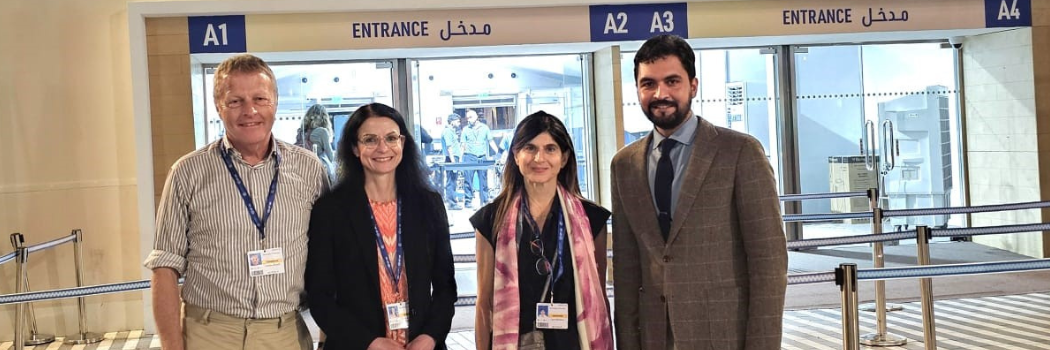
(929, 333)
(35, 337)
(881, 337)
(877, 254)
(84, 337)
(20, 308)
(846, 278)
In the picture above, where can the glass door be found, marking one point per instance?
(830, 121)
(877, 116)
(495, 93)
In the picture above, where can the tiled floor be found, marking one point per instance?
(1012, 322)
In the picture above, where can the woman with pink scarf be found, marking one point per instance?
(541, 250)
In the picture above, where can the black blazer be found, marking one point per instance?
(342, 271)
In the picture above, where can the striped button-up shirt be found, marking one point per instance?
(204, 231)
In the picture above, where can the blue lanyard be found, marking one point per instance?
(260, 224)
(395, 275)
(559, 258)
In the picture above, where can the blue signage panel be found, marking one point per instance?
(1007, 13)
(638, 22)
(217, 34)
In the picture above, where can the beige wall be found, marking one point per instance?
(1007, 103)
(1001, 134)
(171, 98)
(67, 154)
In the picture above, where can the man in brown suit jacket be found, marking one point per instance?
(700, 260)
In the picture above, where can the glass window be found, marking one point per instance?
(737, 90)
(340, 87)
(500, 91)
(909, 87)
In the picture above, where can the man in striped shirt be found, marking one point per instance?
(232, 221)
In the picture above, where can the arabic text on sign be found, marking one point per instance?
(390, 29)
(818, 16)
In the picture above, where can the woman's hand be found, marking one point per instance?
(422, 342)
(385, 344)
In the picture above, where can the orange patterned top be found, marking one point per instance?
(386, 218)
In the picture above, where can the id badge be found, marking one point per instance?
(265, 262)
(552, 316)
(397, 315)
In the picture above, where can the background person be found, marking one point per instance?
(318, 136)
(380, 241)
(453, 151)
(476, 140)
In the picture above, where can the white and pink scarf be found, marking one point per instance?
(592, 316)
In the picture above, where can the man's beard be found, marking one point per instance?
(672, 121)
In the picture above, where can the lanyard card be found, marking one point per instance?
(552, 316)
(397, 315)
(265, 262)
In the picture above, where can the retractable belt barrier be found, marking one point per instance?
(808, 196)
(24, 311)
(839, 276)
(5, 258)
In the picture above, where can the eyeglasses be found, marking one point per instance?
(543, 267)
(372, 141)
(257, 102)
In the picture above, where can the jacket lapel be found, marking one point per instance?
(704, 150)
(636, 185)
(364, 231)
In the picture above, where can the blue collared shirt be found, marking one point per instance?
(450, 145)
(679, 157)
(475, 139)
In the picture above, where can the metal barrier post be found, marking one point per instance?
(20, 309)
(846, 278)
(881, 337)
(35, 338)
(929, 334)
(84, 337)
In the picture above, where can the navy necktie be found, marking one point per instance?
(662, 186)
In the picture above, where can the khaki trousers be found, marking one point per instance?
(207, 329)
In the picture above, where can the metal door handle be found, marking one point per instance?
(868, 145)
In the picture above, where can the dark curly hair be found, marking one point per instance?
(410, 175)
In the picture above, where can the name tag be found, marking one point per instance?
(265, 262)
(397, 315)
(552, 316)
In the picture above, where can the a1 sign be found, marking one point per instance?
(217, 34)
(637, 22)
(1007, 13)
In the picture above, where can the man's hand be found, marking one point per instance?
(422, 342)
(385, 344)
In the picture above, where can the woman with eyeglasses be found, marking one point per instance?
(380, 273)
(541, 250)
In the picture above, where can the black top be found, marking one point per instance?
(530, 283)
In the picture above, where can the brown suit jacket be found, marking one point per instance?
(721, 276)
